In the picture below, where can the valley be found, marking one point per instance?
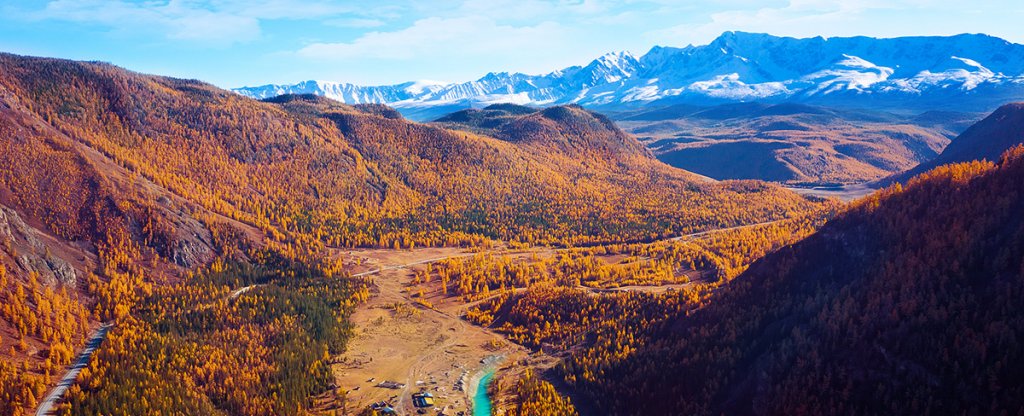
(846, 193)
(733, 228)
(423, 342)
(172, 190)
(792, 143)
(401, 341)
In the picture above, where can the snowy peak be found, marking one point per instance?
(964, 73)
(612, 67)
(970, 65)
(733, 41)
(622, 62)
(344, 92)
(849, 73)
(423, 87)
(973, 72)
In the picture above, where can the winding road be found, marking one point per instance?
(46, 407)
(718, 230)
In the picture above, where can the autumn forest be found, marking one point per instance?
(169, 247)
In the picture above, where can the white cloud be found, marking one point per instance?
(385, 41)
(808, 18)
(212, 27)
(511, 10)
(285, 9)
(176, 20)
(216, 22)
(798, 18)
(357, 23)
(434, 37)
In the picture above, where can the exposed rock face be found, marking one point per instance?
(5, 228)
(31, 254)
(62, 270)
(13, 228)
(191, 252)
(50, 269)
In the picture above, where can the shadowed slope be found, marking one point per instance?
(985, 140)
(909, 303)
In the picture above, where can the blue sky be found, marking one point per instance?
(233, 43)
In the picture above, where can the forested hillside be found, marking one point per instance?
(908, 303)
(356, 178)
(82, 238)
(200, 347)
(123, 194)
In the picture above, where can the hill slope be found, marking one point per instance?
(569, 130)
(985, 140)
(327, 166)
(791, 143)
(114, 183)
(80, 235)
(909, 303)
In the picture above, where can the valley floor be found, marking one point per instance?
(420, 348)
(433, 349)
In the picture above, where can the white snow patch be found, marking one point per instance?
(729, 86)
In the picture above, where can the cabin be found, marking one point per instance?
(382, 409)
(391, 385)
(422, 400)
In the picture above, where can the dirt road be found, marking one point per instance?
(46, 407)
(718, 230)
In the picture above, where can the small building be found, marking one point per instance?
(383, 409)
(391, 385)
(423, 400)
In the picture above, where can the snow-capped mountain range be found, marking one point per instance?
(966, 72)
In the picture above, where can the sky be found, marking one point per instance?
(234, 43)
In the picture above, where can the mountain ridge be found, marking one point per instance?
(921, 72)
(792, 142)
(985, 140)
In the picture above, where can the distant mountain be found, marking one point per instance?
(487, 120)
(987, 139)
(792, 142)
(963, 72)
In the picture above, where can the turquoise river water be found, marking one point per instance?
(481, 401)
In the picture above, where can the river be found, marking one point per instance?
(481, 400)
(846, 193)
